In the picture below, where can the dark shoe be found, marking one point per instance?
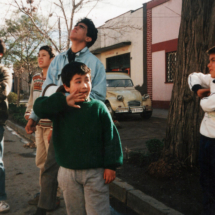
(35, 200)
(57, 204)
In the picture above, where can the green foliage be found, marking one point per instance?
(154, 146)
(141, 158)
(12, 97)
(22, 40)
(17, 114)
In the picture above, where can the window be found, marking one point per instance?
(171, 66)
(119, 63)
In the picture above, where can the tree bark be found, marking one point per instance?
(196, 36)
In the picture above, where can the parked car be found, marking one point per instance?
(123, 98)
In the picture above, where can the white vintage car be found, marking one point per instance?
(123, 98)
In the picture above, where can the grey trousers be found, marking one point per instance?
(84, 191)
(49, 182)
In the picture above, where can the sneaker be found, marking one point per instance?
(35, 200)
(57, 204)
(4, 207)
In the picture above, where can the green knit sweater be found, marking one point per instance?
(83, 138)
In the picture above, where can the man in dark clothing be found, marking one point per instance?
(5, 88)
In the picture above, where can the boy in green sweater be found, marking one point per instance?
(86, 141)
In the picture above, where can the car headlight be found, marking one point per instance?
(120, 98)
(145, 96)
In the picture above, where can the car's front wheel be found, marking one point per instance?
(146, 114)
(110, 109)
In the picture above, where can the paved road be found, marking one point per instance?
(22, 178)
(135, 131)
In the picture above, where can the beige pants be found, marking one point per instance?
(41, 136)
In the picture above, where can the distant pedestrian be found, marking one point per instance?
(86, 142)
(5, 88)
(82, 36)
(204, 86)
(43, 129)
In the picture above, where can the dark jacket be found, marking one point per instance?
(5, 88)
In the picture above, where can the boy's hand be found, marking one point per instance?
(27, 117)
(74, 97)
(49, 136)
(31, 126)
(201, 93)
(109, 175)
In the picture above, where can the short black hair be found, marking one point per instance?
(92, 31)
(71, 69)
(211, 50)
(49, 49)
(2, 47)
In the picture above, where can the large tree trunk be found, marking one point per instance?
(197, 34)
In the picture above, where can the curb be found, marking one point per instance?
(124, 192)
(20, 130)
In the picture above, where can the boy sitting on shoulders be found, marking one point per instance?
(86, 141)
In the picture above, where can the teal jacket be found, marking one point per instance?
(83, 138)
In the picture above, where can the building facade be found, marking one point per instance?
(143, 43)
(163, 23)
(120, 46)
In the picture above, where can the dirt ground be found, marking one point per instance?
(181, 193)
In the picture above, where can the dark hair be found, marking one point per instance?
(49, 49)
(2, 47)
(211, 50)
(72, 69)
(91, 30)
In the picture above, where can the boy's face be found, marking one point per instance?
(79, 33)
(80, 84)
(211, 65)
(44, 59)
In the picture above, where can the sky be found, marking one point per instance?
(104, 10)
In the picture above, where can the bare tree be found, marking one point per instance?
(64, 10)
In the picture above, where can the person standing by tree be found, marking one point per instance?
(43, 130)
(204, 86)
(5, 88)
(82, 36)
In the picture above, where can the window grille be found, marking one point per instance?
(171, 66)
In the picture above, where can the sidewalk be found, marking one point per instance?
(160, 113)
(133, 198)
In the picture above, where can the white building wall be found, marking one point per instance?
(161, 91)
(165, 26)
(127, 27)
(166, 21)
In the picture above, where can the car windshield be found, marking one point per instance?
(119, 83)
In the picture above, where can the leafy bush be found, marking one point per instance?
(154, 146)
(17, 114)
(12, 97)
(139, 158)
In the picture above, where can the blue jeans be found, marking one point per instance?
(3, 195)
(207, 176)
